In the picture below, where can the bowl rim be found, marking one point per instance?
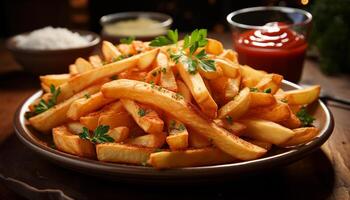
(268, 8)
(96, 39)
(168, 20)
(124, 170)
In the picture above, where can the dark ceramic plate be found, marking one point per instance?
(276, 157)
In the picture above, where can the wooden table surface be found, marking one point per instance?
(324, 174)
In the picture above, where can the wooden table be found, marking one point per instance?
(324, 174)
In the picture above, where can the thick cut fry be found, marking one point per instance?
(236, 128)
(184, 91)
(250, 76)
(167, 78)
(224, 89)
(119, 134)
(214, 47)
(144, 116)
(109, 51)
(258, 99)
(166, 101)
(73, 70)
(292, 122)
(178, 135)
(54, 79)
(83, 65)
(189, 158)
(302, 96)
(122, 153)
(237, 107)
(87, 105)
(261, 144)
(276, 113)
(267, 131)
(211, 74)
(149, 140)
(229, 69)
(133, 74)
(153, 76)
(126, 49)
(140, 46)
(302, 136)
(115, 119)
(67, 142)
(197, 141)
(198, 89)
(90, 121)
(271, 82)
(57, 115)
(230, 55)
(85, 79)
(95, 61)
(75, 127)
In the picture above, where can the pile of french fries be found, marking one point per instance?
(161, 115)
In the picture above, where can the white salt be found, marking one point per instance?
(52, 38)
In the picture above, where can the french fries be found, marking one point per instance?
(87, 78)
(167, 101)
(179, 105)
(56, 115)
(189, 158)
(70, 143)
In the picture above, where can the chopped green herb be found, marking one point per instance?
(163, 70)
(87, 95)
(154, 73)
(121, 57)
(305, 118)
(127, 40)
(181, 127)
(229, 119)
(144, 164)
(114, 77)
(254, 90)
(141, 112)
(284, 100)
(99, 135)
(157, 150)
(268, 90)
(171, 38)
(43, 105)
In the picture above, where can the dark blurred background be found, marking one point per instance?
(24, 15)
(331, 22)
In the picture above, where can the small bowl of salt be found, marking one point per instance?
(51, 50)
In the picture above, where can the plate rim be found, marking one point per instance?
(125, 170)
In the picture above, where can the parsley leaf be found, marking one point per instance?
(305, 118)
(254, 89)
(43, 106)
(268, 90)
(171, 38)
(87, 95)
(99, 136)
(229, 119)
(141, 112)
(127, 40)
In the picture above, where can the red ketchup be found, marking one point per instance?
(276, 49)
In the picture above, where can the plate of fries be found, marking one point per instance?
(171, 109)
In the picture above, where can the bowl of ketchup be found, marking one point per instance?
(273, 39)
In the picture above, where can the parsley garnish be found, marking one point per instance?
(284, 100)
(87, 95)
(163, 70)
(141, 112)
(254, 89)
(305, 118)
(171, 38)
(114, 77)
(197, 39)
(43, 105)
(268, 90)
(229, 119)
(99, 135)
(157, 150)
(127, 40)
